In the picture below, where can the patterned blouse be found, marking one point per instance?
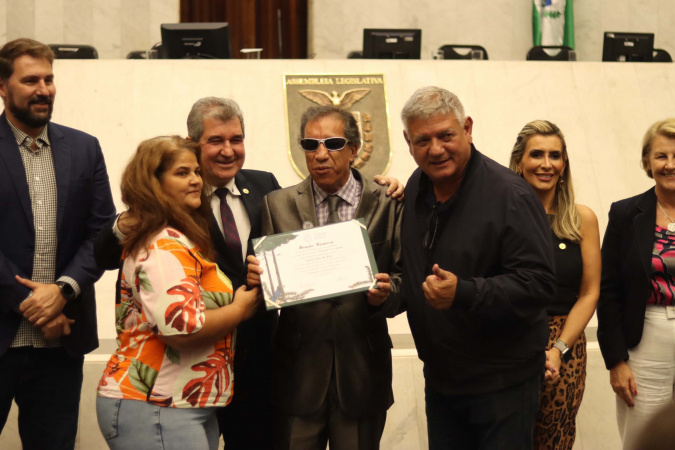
(663, 269)
(164, 292)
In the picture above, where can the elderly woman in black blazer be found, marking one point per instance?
(636, 312)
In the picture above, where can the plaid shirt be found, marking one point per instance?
(39, 167)
(350, 193)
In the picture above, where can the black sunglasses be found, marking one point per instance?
(332, 144)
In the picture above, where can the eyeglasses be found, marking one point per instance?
(333, 144)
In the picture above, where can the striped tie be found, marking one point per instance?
(229, 225)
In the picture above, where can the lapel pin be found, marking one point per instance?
(246, 191)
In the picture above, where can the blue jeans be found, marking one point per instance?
(129, 424)
(45, 383)
(496, 420)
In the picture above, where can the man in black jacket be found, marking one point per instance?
(478, 268)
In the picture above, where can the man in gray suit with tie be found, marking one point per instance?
(332, 371)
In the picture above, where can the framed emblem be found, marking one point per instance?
(363, 95)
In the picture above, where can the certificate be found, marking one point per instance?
(315, 264)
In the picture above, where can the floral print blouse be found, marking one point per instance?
(164, 292)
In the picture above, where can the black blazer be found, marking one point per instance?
(253, 354)
(85, 205)
(626, 271)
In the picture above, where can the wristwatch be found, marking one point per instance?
(564, 350)
(66, 290)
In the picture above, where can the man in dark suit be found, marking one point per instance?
(54, 197)
(332, 375)
(218, 125)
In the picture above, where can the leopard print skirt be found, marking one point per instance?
(559, 404)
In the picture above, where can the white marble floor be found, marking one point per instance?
(406, 421)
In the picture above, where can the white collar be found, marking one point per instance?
(230, 186)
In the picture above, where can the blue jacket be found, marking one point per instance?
(85, 205)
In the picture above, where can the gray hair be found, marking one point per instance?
(430, 101)
(215, 107)
(351, 128)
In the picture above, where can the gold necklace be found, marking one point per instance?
(671, 225)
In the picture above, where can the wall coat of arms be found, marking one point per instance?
(363, 95)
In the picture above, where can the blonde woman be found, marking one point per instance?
(540, 157)
(635, 313)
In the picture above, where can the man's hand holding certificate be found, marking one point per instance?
(315, 264)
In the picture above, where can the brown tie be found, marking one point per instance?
(229, 225)
(333, 201)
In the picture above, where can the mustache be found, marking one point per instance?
(41, 100)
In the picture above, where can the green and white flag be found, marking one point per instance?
(553, 22)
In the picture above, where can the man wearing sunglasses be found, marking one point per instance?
(479, 273)
(332, 374)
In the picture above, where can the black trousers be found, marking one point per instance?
(46, 385)
(497, 420)
(248, 422)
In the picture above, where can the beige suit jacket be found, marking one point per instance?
(344, 334)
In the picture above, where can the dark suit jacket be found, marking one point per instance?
(626, 271)
(344, 331)
(85, 205)
(253, 354)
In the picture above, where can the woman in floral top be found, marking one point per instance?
(176, 317)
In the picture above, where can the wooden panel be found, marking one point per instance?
(268, 28)
(294, 28)
(202, 11)
(255, 23)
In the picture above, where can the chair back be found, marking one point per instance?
(73, 51)
(661, 55)
(551, 53)
(137, 54)
(462, 51)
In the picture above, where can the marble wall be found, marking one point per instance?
(113, 27)
(503, 27)
(603, 108)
